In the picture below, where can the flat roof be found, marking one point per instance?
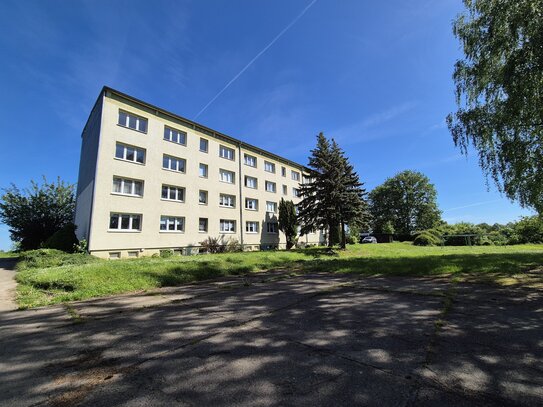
(201, 128)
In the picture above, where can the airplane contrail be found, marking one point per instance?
(283, 31)
(473, 204)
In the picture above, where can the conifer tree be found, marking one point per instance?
(334, 196)
(288, 221)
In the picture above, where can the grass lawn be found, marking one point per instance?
(8, 255)
(49, 279)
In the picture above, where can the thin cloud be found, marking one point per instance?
(361, 131)
(252, 61)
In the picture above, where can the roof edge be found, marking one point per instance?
(215, 133)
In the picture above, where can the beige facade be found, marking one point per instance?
(129, 205)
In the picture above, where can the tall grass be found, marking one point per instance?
(49, 277)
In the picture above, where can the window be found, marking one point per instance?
(202, 197)
(285, 189)
(250, 160)
(295, 175)
(227, 201)
(173, 163)
(251, 182)
(172, 224)
(271, 207)
(268, 166)
(306, 180)
(251, 204)
(283, 171)
(125, 221)
(251, 227)
(271, 227)
(172, 193)
(202, 225)
(114, 255)
(295, 192)
(204, 145)
(203, 170)
(227, 226)
(125, 186)
(176, 136)
(226, 152)
(129, 153)
(270, 186)
(132, 121)
(227, 176)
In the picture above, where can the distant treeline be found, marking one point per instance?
(528, 229)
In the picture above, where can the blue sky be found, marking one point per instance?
(374, 75)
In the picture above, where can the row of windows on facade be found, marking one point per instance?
(177, 164)
(180, 137)
(132, 222)
(132, 187)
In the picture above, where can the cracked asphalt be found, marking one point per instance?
(274, 339)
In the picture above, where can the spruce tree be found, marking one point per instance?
(334, 196)
(351, 205)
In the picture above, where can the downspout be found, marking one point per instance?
(240, 203)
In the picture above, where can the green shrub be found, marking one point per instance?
(233, 245)
(212, 245)
(46, 258)
(166, 253)
(350, 239)
(63, 239)
(427, 238)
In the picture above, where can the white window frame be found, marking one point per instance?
(125, 148)
(171, 188)
(295, 175)
(123, 183)
(247, 160)
(251, 226)
(227, 172)
(205, 167)
(177, 161)
(284, 171)
(285, 190)
(206, 144)
(255, 201)
(131, 217)
(174, 135)
(227, 201)
(227, 153)
(206, 195)
(296, 192)
(206, 223)
(269, 167)
(172, 220)
(271, 184)
(268, 203)
(231, 223)
(249, 178)
(276, 228)
(139, 121)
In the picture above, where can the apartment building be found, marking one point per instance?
(150, 180)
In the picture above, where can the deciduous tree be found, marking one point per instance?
(34, 214)
(499, 94)
(407, 202)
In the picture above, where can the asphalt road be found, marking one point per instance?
(272, 340)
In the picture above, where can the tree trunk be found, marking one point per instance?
(343, 238)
